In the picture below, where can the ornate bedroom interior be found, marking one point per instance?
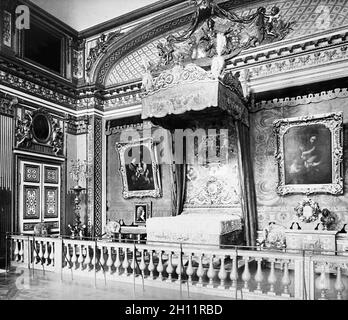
(198, 142)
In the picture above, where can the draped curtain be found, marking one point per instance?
(179, 183)
(248, 197)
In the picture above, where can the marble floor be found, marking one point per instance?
(24, 285)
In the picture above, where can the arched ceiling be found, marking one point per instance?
(310, 16)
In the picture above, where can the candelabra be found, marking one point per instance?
(78, 171)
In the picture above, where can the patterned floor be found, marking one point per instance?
(23, 285)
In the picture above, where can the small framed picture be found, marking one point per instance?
(142, 211)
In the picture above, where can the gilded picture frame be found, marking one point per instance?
(309, 153)
(139, 169)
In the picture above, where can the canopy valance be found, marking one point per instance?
(178, 94)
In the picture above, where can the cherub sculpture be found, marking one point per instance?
(24, 135)
(57, 138)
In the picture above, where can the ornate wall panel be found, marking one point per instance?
(7, 29)
(31, 203)
(31, 173)
(271, 206)
(51, 202)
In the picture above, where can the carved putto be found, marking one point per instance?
(24, 136)
(215, 32)
(101, 46)
(57, 138)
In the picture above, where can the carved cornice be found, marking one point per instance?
(77, 125)
(300, 62)
(301, 100)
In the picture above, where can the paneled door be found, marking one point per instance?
(39, 196)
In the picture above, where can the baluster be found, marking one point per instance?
(151, 266)
(170, 268)
(160, 267)
(272, 278)
(51, 256)
(68, 257)
(222, 273)
(87, 259)
(142, 265)
(133, 264)
(234, 273)
(74, 257)
(21, 251)
(33, 245)
(259, 276)
(211, 272)
(125, 263)
(102, 259)
(81, 258)
(339, 286)
(321, 283)
(109, 262)
(190, 270)
(200, 271)
(41, 254)
(246, 276)
(94, 258)
(179, 267)
(286, 279)
(16, 250)
(46, 255)
(117, 262)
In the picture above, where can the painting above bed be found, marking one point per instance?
(139, 169)
(309, 154)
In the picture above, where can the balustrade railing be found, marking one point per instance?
(241, 273)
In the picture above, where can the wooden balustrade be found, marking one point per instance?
(252, 273)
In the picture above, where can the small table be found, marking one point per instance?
(138, 232)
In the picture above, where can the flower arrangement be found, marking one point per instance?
(328, 219)
(308, 211)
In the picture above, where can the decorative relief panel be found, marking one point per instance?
(31, 203)
(7, 29)
(78, 64)
(51, 202)
(51, 175)
(31, 173)
(309, 17)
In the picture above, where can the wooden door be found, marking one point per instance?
(39, 196)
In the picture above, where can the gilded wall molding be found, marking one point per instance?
(309, 60)
(338, 93)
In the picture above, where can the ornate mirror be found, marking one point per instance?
(41, 127)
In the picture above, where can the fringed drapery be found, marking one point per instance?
(248, 198)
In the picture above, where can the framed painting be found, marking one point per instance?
(310, 154)
(142, 211)
(139, 169)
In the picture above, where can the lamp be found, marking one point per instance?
(78, 171)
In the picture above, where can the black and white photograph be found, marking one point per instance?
(154, 151)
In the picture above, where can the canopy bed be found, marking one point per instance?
(213, 201)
